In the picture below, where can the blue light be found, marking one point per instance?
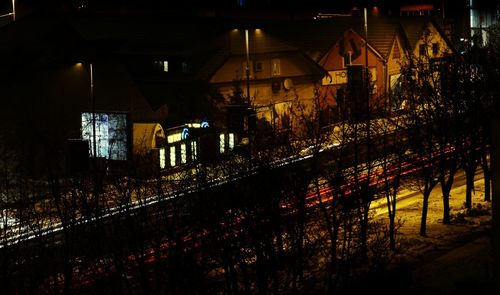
(185, 133)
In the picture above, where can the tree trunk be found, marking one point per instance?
(300, 239)
(446, 207)
(392, 222)
(487, 175)
(392, 232)
(425, 206)
(364, 231)
(246, 277)
(469, 175)
(445, 190)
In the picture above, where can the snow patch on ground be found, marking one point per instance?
(451, 258)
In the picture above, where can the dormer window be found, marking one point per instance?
(275, 67)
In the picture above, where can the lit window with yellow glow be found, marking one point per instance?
(194, 151)
(275, 67)
(161, 65)
(183, 153)
(174, 137)
(162, 158)
(222, 143)
(172, 156)
(231, 141)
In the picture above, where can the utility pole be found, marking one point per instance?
(14, 10)
(367, 89)
(249, 133)
(247, 68)
(97, 180)
(13, 13)
(94, 145)
(367, 72)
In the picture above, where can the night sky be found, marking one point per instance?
(199, 4)
(386, 7)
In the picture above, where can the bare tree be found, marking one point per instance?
(394, 147)
(420, 86)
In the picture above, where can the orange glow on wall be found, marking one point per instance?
(418, 7)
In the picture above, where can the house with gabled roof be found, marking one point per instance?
(425, 37)
(59, 79)
(339, 42)
(278, 73)
(424, 40)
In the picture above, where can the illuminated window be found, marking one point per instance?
(110, 134)
(194, 151)
(222, 143)
(275, 67)
(231, 141)
(161, 65)
(183, 153)
(373, 74)
(172, 156)
(162, 158)
(174, 137)
(184, 67)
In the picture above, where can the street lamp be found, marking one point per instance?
(95, 170)
(92, 101)
(13, 13)
(248, 93)
(247, 67)
(93, 111)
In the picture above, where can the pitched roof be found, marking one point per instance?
(316, 37)
(233, 43)
(413, 28)
(144, 136)
(381, 34)
(34, 42)
(313, 37)
(151, 35)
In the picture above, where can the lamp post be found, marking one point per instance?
(13, 10)
(248, 94)
(94, 143)
(13, 13)
(92, 105)
(247, 68)
(367, 77)
(367, 93)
